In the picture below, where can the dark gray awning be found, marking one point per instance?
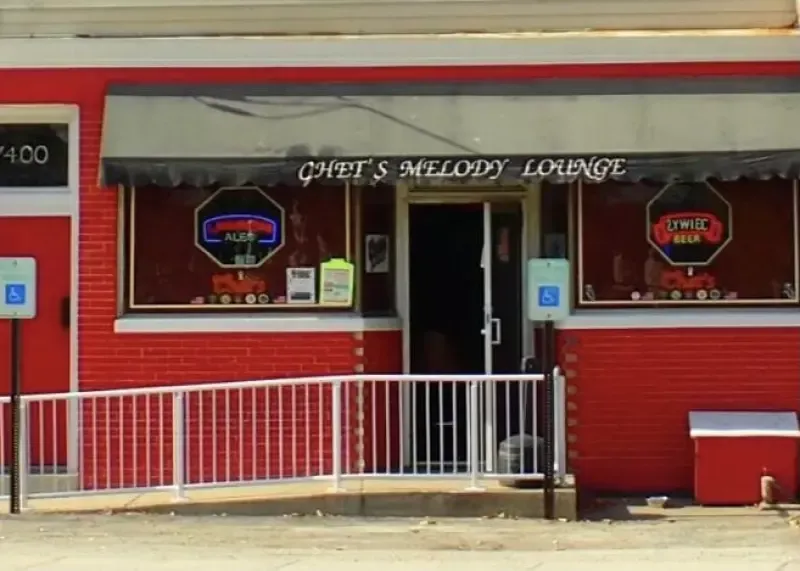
(233, 135)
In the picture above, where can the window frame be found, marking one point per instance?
(128, 289)
(49, 116)
(576, 214)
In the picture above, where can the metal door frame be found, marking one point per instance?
(528, 198)
(489, 322)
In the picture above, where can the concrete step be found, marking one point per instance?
(43, 483)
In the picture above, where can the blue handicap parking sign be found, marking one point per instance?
(15, 294)
(548, 289)
(549, 296)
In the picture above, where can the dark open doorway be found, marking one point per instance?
(447, 303)
(446, 318)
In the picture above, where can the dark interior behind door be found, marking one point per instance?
(446, 294)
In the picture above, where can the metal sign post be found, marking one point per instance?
(16, 419)
(549, 300)
(17, 302)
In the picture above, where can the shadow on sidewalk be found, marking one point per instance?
(637, 509)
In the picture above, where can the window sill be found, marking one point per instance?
(307, 323)
(681, 318)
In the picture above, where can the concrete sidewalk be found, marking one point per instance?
(356, 497)
(686, 538)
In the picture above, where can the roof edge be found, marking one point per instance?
(570, 48)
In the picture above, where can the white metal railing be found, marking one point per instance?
(332, 428)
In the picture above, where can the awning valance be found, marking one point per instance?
(232, 135)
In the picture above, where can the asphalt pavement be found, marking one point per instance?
(188, 557)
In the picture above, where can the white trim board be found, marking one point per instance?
(136, 18)
(36, 203)
(309, 323)
(404, 50)
(681, 319)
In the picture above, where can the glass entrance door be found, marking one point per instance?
(501, 262)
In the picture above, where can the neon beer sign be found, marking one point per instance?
(688, 228)
(240, 228)
(689, 224)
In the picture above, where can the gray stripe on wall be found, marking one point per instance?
(551, 87)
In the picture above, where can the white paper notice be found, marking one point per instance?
(301, 285)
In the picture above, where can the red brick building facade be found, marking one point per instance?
(632, 378)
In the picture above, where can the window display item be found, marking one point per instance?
(377, 253)
(301, 285)
(239, 227)
(337, 279)
(689, 224)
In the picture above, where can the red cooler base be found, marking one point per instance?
(728, 470)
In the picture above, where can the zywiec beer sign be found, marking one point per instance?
(239, 227)
(689, 224)
(685, 228)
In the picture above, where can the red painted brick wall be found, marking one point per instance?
(383, 354)
(630, 392)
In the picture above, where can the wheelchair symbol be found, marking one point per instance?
(549, 296)
(15, 294)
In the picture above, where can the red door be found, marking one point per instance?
(45, 339)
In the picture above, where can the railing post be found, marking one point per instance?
(337, 435)
(24, 448)
(361, 460)
(560, 413)
(474, 440)
(179, 446)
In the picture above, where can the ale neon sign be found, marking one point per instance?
(240, 228)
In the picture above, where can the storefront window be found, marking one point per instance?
(714, 243)
(247, 249)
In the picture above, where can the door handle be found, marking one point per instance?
(496, 329)
(66, 311)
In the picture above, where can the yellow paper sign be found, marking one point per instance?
(337, 280)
